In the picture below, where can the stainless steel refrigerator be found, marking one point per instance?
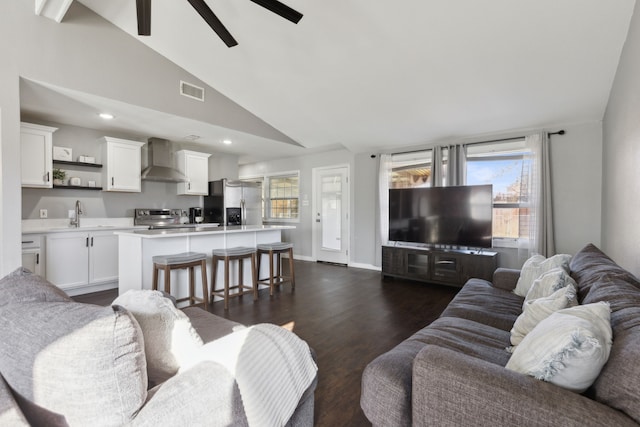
(233, 203)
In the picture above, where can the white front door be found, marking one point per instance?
(331, 214)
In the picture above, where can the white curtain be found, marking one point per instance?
(540, 239)
(383, 197)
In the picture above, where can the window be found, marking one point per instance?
(410, 170)
(281, 197)
(506, 165)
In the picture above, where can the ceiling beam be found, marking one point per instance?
(53, 9)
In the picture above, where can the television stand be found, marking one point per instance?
(451, 267)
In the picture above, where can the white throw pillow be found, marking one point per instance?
(169, 337)
(536, 310)
(568, 348)
(536, 266)
(548, 283)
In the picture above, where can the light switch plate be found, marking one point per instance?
(43, 213)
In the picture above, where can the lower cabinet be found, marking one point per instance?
(31, 255)
(76, 259)
(447, 267)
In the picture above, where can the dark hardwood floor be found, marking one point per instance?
(347, 315)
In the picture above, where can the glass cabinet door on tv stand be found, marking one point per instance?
(443, 266)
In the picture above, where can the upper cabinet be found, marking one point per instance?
(195, 166)
(36, 144)
(122, 164)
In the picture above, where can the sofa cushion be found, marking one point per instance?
(600, 279)
(568, 348)
(23, 286)
(548, 283)
(473, 300)
(387, 380)
(536, 310)
(536, 266)
(169, 338)
(73, 364)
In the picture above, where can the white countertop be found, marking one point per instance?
(202, 230)
(61, 225)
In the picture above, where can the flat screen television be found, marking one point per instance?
(457, 216)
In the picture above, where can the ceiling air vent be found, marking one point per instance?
(191, 91)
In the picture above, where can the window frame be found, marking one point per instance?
(413, 160)
(506, 154)
(266, 199)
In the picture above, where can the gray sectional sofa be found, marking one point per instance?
(452, 372)
(67, 363)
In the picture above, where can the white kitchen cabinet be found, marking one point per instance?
(36, 145)
(195, 166)
(68, 259)
(103, 257)
(32, 257)
(82, 259)
(122, 164)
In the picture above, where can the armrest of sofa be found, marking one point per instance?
(206, 394)
(10, 412)
(450, 388)
(505, 278)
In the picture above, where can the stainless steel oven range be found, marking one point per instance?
(162, 218)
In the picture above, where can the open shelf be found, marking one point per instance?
(90, 165)
(76, 187)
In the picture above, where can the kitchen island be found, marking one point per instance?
(138, 247)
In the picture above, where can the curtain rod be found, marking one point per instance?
(560, 132)
(549, 134)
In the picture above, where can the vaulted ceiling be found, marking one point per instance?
(369, 75)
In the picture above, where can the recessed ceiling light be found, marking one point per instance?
(106, 116)
(226, 142)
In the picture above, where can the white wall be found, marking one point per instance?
(576, 160)
(223, 166)
(621, 158)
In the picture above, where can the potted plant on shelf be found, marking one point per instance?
(58, 176)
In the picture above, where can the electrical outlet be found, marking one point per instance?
(43, 213)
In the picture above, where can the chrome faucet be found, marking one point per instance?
(75, 221)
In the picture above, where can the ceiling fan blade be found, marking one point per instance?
(207, 14)
(280, 9)
(143, 8)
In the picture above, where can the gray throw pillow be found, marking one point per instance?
(23, 286)
(73, 363)
(169, 338)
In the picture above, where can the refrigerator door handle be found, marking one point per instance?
(243, 217)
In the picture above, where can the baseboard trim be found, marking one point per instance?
(303, 258)
(351, 264)
(364, 266)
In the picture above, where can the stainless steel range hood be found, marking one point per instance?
(161, 164)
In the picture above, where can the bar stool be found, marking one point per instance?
(271, 249)
(239, 253)
(183, 260)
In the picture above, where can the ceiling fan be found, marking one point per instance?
(143, 8)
